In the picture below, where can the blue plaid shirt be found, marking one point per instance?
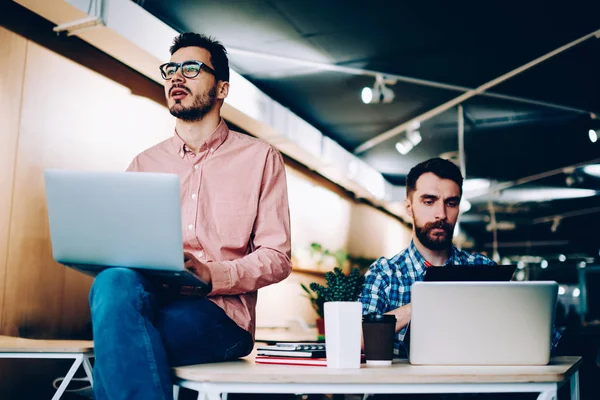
(388, 283)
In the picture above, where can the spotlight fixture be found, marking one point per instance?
(413, 137)
(379, 93)
(366, 95)
(593, 135)
(404, 146)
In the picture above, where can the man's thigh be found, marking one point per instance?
(194, 330)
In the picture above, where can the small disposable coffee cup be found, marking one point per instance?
(378, 336)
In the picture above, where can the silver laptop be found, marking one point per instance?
(482, 323)
(101, 220)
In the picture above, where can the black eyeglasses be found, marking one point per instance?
(189, 69)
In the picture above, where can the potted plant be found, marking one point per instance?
(338, 287)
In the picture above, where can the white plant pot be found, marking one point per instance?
(343, 324)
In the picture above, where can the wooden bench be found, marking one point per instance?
(244, 376)
(79, 350)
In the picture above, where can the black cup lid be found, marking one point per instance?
(379, 318)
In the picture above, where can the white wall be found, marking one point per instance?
(321, 216)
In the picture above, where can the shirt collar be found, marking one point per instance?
(419, 262)
(212, 142)
(453, 257)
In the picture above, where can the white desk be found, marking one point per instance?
(244, 376)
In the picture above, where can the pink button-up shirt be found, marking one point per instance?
(235, 215)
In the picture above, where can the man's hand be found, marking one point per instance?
(197, 267)
(402, 316)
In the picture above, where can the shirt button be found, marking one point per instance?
(196, 166)
(211, 150)
(200, 254)
(190, 227)
(194, 196)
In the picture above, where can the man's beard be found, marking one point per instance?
(203, 103)
(432, 241)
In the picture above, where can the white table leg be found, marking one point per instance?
(575, 386)
(68, 377)
(175, 392)
(87, 366)
(548, 395)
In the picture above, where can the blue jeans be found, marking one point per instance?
(141, 331)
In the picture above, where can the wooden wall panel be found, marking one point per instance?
(12, 65)
(71, 118)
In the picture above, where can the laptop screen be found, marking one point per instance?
(470, 273)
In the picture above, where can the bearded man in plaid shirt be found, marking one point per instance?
(433, 194)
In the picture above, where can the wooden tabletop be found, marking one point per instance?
(246, 371)
(10, 344)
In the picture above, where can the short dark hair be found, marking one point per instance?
(443, 169)
(218, 53)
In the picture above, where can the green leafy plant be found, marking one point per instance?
(339, 287)
(321, 255)
(342, 259)
(315, 301)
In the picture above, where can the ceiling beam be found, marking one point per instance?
(395, 77)
(468, 95)
(568, 214)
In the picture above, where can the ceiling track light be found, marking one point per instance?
(413, 137)
(379, 93)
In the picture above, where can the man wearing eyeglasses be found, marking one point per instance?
(236, 232)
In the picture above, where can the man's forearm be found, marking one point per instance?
(260, 268)
(402, 316)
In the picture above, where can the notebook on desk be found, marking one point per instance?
(482, 323)
(101, 220)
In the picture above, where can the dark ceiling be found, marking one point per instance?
(458, 43)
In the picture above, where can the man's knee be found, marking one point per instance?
(116, 286)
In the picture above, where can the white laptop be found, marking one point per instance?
(482, 323)
(101, 220)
